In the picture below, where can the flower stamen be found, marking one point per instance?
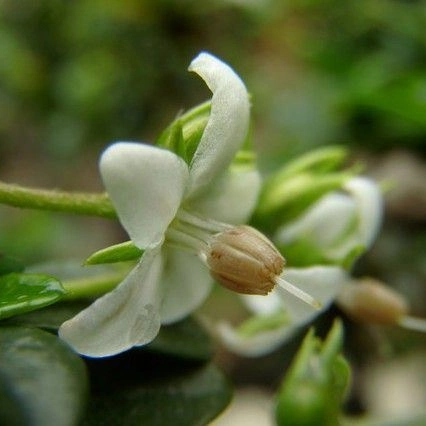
(296, 291)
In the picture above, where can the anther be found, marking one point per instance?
(244, 260)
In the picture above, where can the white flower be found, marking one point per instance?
(341, 223)
(279, 315)
(161, 202)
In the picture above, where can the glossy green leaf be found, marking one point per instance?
(84, 282)
(130, 390)
(185, 339)
(42, 383)
(9, 264)
(117, 253)
(49, 318)
(21, 293)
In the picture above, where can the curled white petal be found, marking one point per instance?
(228, 122)
(186, 284)
(263, 305)
(232, 198)
(321, 282)
(146, 185)
(126, 317)
(339, 222)
(322, 223)
(369, 201)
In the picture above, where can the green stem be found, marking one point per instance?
(89, 204)
(81, 288)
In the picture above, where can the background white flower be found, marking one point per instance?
(279, 315)
(339, 222)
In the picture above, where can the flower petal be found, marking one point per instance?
(263, 305)
(186, 283)
(126, 317)
(322, 282)
(322, 223)
(227, 127)
(369, 204)
(146, 185)
(233, 197)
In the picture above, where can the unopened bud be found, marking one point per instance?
(373, 302)
(244, 260)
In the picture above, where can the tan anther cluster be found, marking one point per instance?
(373, 302)
(244, 260)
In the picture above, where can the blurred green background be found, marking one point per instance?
(78, 75)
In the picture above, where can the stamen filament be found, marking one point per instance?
(412, 323)
(201, 223)
(184, 240)
(305, 297)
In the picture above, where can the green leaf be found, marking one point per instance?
(21, 293)
(42, 383)
(185, 339)
(129, 390)
(9, 264)
(117, 253)
(82, 282)
(49, 318)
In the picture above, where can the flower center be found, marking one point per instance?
(238, 257)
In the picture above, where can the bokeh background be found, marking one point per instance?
(76, 76)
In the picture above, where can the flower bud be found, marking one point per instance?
(244, 260)
(373, 302)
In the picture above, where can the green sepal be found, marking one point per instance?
(20, 293)
(263, 323)
(302, 253)
(117, 253)
(319, 161)
(183, 135)
(352, 256)
(285, 200)
(316, 384)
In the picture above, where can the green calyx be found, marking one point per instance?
(316, 384)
